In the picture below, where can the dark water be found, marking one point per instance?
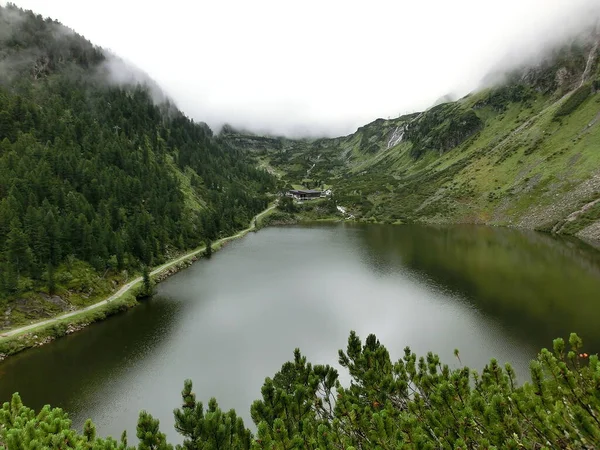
(229, 322)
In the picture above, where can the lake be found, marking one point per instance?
(230, 321)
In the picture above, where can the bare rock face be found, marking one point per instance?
(562, 77)
(57, 301)
(174, 269)
(30, 308)
(5, 321)
(591, 232)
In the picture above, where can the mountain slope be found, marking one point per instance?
(525, 152)
(96, 178)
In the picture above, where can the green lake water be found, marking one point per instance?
(230, 321)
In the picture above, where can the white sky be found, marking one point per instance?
(314, 67)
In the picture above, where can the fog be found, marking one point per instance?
(318, 68)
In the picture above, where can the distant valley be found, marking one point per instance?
(523, 153)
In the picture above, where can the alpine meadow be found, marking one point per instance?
(107, 188)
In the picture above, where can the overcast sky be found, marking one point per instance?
(315, 67)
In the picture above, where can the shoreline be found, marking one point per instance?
(45, 331)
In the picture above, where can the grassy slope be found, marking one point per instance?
(524, 167)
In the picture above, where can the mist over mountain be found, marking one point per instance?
(317, 69)
(103, 178)
(100, 174)
(96, 150)
(521, 151)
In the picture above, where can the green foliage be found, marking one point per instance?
(22, 428)
(294, 404)
(279, 218)
(147, 286)
(574, 101)
(211, 429)
(442, 128)
(415, 402)
(101, 173)
(286, 204)
(499, 98)
(149, 434)
(208, 248)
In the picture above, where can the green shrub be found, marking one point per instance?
(574, 101)
(413, 402)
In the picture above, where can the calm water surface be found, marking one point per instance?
(230, 321)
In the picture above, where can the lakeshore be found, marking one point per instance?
(45, 331)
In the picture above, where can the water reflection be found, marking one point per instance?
(537, 286)
(230, 321)
(71, 373)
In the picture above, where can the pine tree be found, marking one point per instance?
(147, 284)
(89, 431)
(208, 248)
(209, 430)
(51, 279)
(148, 432)
(18, 251)
(416, 402)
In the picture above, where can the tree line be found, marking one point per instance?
(95, 172)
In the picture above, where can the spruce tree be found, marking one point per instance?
(147, 284)
(51, 279)
(208, 248)
(210, 429)
(149, 434)
(18, 252)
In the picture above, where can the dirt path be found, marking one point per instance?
(134, 282)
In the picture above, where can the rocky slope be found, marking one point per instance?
(525, 152)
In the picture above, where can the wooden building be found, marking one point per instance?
(302, 195)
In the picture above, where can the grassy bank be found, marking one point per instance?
(62, 327)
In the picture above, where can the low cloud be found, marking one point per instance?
(11, 63)
(535, 46)
(116, 71)
(22, 58)
(318, 68)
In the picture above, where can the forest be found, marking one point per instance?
(99, 175)
(414, 403)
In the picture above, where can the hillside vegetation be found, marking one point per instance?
(99, 179)
(525, 152)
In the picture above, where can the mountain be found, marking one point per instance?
(100, 174)
(524, 152)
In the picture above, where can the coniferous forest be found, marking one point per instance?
(101, 176)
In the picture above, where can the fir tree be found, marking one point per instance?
(147, 284)
(208, 248)
(149, 434)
